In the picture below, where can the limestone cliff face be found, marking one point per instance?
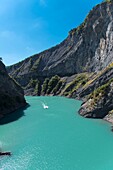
(98, 95)
(11, 94)
(87, 48)
(79, 67)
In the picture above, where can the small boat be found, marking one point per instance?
(46, 107)
(5, 153)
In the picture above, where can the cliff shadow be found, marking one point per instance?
(14, 116)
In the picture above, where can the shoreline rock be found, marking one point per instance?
(11, 94)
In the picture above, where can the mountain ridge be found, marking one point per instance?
(69, 67)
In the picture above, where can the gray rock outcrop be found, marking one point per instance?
(11, 94)
(87, 48)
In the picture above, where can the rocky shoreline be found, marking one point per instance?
(109, 118)
(8, 112)
(11, 94)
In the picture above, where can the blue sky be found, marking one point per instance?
(30, 26)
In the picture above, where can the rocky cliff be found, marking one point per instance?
(97, 94)
(11, 94)
(87, 48)
(79, 67)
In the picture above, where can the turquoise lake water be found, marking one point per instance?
(57, 138)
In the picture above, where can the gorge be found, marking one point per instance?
(79, 67)
(75, 76)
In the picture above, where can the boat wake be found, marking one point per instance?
(45, 106)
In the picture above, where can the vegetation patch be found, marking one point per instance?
(52, 83)
(100, 92)
(36, 65)
(37, 88)
(45, 86)
(57, 87)
(72, 87)
(110, 112)
(96, 76)
(108, 1)
(32, 83)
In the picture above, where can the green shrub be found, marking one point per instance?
(37, 88)
(57, 87)
(45, 86)
(80, 80)
(52, 83)
(100, 91)
(33, 83)
(36, 65)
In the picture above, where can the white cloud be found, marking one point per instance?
(42, 2)
(38, 23)
(11, 40)
(7, 34)
(8, 6)
(29, 49)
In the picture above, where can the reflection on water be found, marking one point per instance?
(57, 138)
(14, 116)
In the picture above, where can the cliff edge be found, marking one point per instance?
(11, 94)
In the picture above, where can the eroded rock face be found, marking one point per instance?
(87, 48)
(99, 108)
(11, 94)
(98, 95)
